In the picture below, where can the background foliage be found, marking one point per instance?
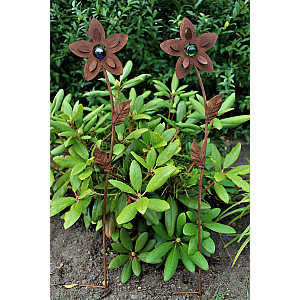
(150, 22)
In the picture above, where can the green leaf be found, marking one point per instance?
(181, 111)
(239, 182)
(93, 114)
(168, 134)
(171, 264)
(211, 214)
(167, 153)
(57, 150)
(198, 107)
(228, 103)
(127, 214)
(193, 245)
(67, 161)
(160, 229)
(190, 229)
(135, 174)
(171, 216)
(81, 150)
(234, 121)
(216, 158)
(126, 70)
(232, 156)
(141, 117)
(209, 245)
(199, 260)
(191, 202)
(183, 249)
(181, 221)
(126, 239)
(139, 159)
(149, 246)
(136, 267)
(57, 101)
(85, 193)
(96, 94)
(174, 82)
(158, 205)
(221, 192)
(51, 177)
(60, 204)
(73, 215)
(118, 261)
(122, 186)
(136, 133)
(119, 248)
(78, 168)
(142, 204)
(161, 85)
(141, 241)
(158, 252)
(126, 273)
(221, 228)
(118, 149)
(97, 210)
(217, 123)
(219, 176)
(160, 177)
(85, 174)
(151, 216)
(239, 170)
(157, 140)
(151, 158)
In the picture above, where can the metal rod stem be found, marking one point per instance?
(112, 140)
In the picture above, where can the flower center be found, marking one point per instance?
(99, 51)
(191, 49)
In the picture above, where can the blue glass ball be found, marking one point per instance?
(99, 51)
(191, 50)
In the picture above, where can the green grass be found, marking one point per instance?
(218, 295)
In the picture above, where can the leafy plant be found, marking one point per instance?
(130, 256)
(152, 186)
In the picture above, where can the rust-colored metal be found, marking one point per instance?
(99, 52)
(191, 51)
(109, 45)
(185, 61)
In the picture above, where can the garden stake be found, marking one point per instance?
(99, 53)
(191, 51)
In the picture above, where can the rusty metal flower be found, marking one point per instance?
(99, 51)
(190, 49)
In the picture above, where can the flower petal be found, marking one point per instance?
(173, 47)
(108, 62)
(182, 72)
(209, 68)
(93, 65)
(90, 70)
(96, 31)
(116, 42)
(206, 40)
(187, 30)
(185, 62)
(202, 60)
(81, 48)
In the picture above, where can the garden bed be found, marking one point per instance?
(76, 258)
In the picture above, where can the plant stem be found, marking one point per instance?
(112, 140)
(202, 169)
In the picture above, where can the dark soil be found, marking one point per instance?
(76, 259)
